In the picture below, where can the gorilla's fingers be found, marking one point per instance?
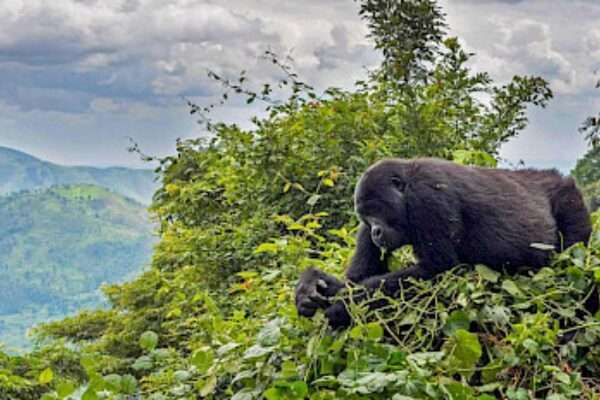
(306, 308)
(328, 285)
(313, 291)
(338, 315)
(319, 299)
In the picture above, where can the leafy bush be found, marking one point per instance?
(587, 174)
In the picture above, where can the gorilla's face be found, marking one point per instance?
(380, 202)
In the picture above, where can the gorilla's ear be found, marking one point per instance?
(399, 184)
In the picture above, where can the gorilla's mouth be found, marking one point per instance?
(380, 243)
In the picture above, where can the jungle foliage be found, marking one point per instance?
(243, 212)
(587, 174)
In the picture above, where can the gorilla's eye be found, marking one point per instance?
(398, 184)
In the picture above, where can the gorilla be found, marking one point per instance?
(450, 214)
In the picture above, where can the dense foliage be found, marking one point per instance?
(57, 246)
(242, 213)
(20, 171)
(587, 173)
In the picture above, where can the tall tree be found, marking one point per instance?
(591, 127)
(408, 32)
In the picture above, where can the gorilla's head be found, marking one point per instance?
(380, 202)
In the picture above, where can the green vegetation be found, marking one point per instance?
(587, 173)
(591, 127)
(242, 214)
(20, 171)
(57, 246)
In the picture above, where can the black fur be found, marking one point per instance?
(451, 214)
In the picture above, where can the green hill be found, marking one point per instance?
(57, 246)
(20, 171)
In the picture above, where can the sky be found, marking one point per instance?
(78, 78)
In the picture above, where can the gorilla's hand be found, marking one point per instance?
(313, 291)
(338, 315)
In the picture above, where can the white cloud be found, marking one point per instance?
(104, 105)
(112, 63)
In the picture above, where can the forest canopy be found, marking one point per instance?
(243, 211)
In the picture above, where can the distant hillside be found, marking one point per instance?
(20, 171)
(57, 246)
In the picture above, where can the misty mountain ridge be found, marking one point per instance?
(21, 171)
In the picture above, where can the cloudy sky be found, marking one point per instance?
(78, 77)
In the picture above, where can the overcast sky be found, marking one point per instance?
(77, 77)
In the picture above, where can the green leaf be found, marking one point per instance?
(246, 394)
(226, 348)
(458, 391)
(274, 394)
(457, 320)
(46, 376)
(142, 363)
(356, 332)
(490, 373)
(89, 394)
(182, 375)
(517, 394)
(202, 359)
(148, 340)
(128, 384)
(257, 351)
(270, 333)
(208, 386)
(374, 331)
(544, 274)
(512, 288)
(299, 388)
(465, 352)
(487, 274)
(468, 348)
(312, 200)
(113, 382)
(266, 248)
(64, 389)
(563, 377)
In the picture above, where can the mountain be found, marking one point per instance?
(20, 171)
(58, 245)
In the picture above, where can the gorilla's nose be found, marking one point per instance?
(377, 234)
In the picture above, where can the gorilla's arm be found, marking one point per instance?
(315, 287)
(391, 282)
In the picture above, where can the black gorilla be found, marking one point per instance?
(451, 214)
